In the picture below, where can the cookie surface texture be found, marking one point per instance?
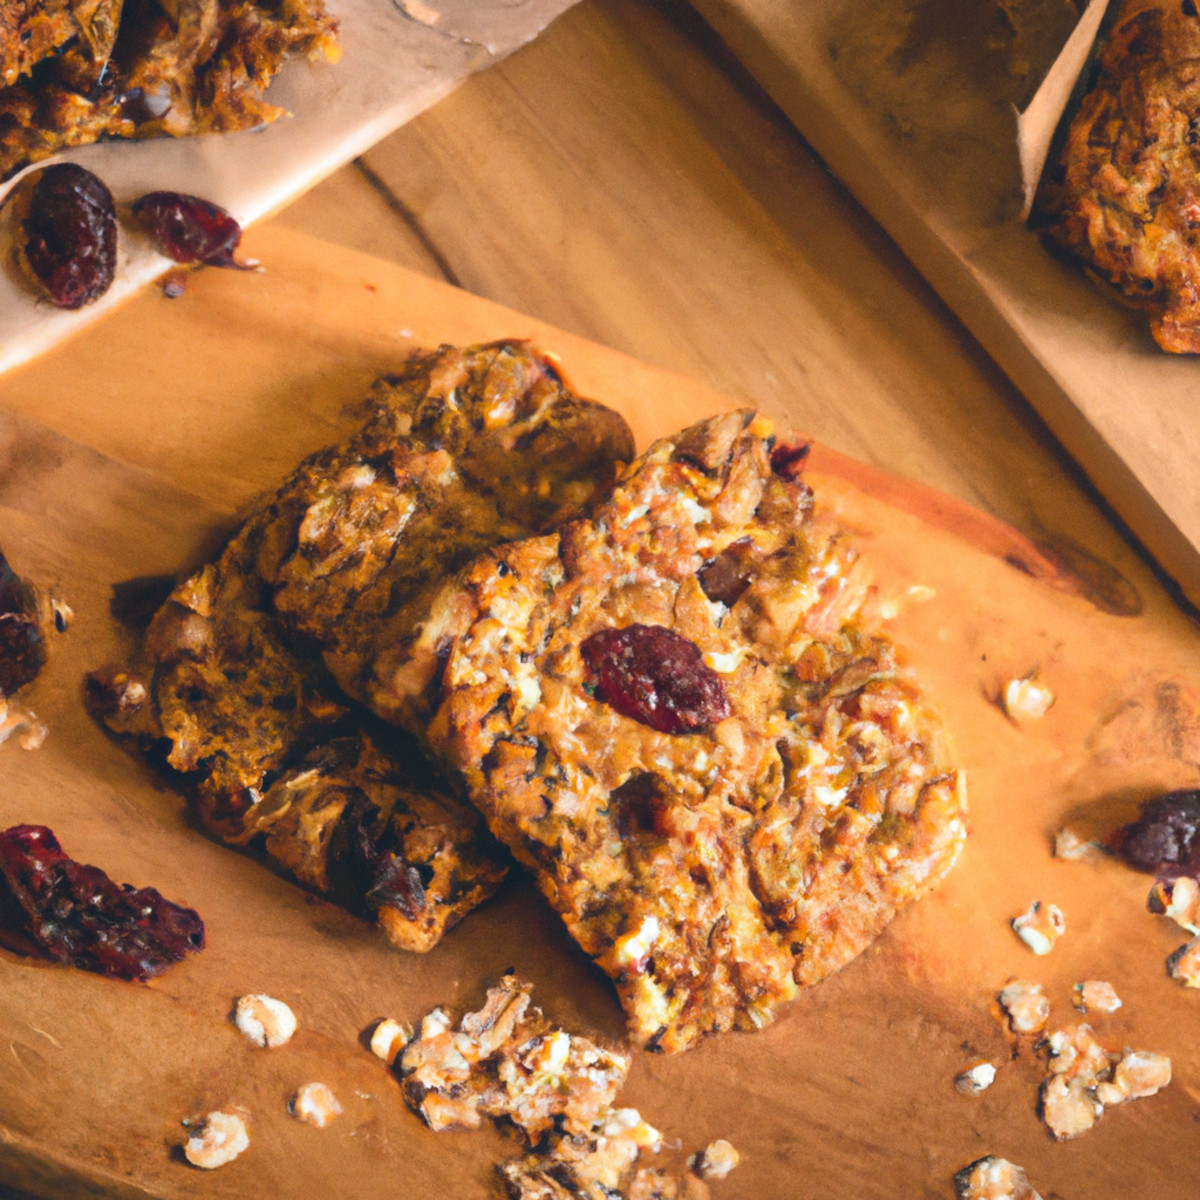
(673, 713)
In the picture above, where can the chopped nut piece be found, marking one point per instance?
(1141, 1073)
(216, 1139)
(1178, 899)
(1026, 1004)
(22, 723)
(1027, 699)
(1040, 926)
(716, 1160)
(315, 1104)
(265, 1021)
(1068, 1106)
(1184, 964)
(993, 1178)
(389, 1039)
(976, 1079)
(1095, 995)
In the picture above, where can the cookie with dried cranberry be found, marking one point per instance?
(675, 713)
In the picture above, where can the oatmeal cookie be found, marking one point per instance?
(151, 68)
(462, 449)
(1123, 195)
(674, 712)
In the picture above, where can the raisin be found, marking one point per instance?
(1164, 838)
(655, 676)
(71, 235)
(189, 230)
(22, 647)
(75, 914)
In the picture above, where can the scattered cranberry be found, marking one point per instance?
(22, 647)
(656, 677)
(1164, 838)
(75, 914)
(71, 235)
(188, 229)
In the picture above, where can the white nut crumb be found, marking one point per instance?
(1096, 995)
(267, 1022)
(216, 1139)
(975, 1079)
(1027, 699)
(1178, 899)
(389, 1038)
(1040, 926)
(1026, 1004)
(315, 1104)
(716, 1160)
(993, 1178)
(1184, 965)
(1142, 1073)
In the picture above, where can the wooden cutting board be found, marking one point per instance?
(912, 104)
(129, 450)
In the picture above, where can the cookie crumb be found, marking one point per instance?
(389, 1038)
(1026, 1005)
(716, 1160)
(315, 1104)
(1040, 926)
(993, 1178)
(1096, 995)
(975, 1079)
(267, 1022)
(215, 1139)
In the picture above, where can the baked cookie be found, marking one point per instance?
(462, 449)
(148, 68)
(1123, 195)
(675, 714)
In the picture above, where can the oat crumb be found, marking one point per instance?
(975, 1079)
(716, 1160)
(315, 1104)
(389, 1038)
(267, 1022)
(1096, 995)
(1184, 965)
(1026, 1005)
(993, 1178)
(1040, 926)
(215, 1139)
(1178, 899)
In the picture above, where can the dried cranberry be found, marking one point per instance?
(22, 647)
(1164, 838)
(76, 914)
(656, 677)
(787, 460)
(188, 229)
(71, 235)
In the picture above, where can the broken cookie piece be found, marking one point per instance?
(354, 824)
(674, 712)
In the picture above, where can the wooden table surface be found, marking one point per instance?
(624, 179)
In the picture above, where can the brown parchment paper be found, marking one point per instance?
(397, 59)
(913, 104)
(849, 1094)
